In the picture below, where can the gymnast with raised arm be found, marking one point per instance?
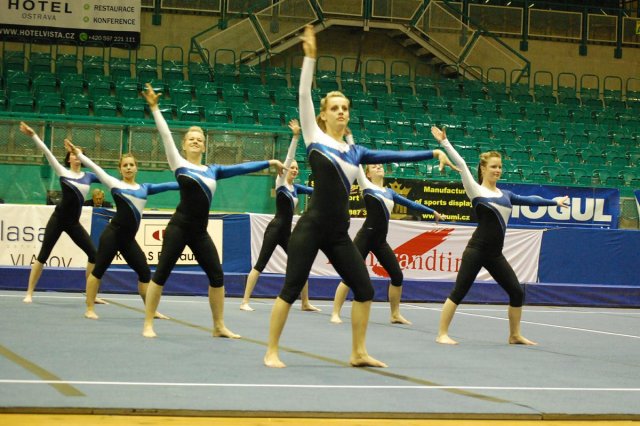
(188, 225)
(120, 234)
(325, 224)
(279, 229)
(75, 186)
(492, 206)
(372, 237)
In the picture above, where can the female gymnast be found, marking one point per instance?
(120, 234)
(372, 237)
(324, 226)
(75, 186)
(188, 225)
(493, 208)
(279, 229)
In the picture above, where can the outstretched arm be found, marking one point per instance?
(303, 189)
(173, 155)
(535, 200)
(307, 112)
(225, 172)
(291, 153)
(467, 178)
(55, 164)
(156, 188)
(106, 179)
(399, 199)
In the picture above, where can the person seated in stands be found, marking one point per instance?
(97, 199)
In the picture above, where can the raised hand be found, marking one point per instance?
(309, 42)
(151, 96)
(294, 125)
(26, 129)
(71, 147)
(443, 159)
(280, 168)
(440, 135)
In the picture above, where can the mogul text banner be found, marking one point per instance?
(425, 250)
(22, 231)
(96, 22)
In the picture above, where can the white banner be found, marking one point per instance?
(151, 234)
(22, 231)
(425, 251)
(105, 22)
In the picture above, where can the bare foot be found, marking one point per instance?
(27, 299)
(446, 340)
(225, 332)
(100, 301)
(147, 331)
(366, 361)
(245, 307)
(399, 319)
(273, 360)
(91, 315)
(158, 315)
(309, 307)
(335, 318)
(520, 340)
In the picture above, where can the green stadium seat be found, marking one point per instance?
(180, 92)
(49, 104)
(351, 83)
(199, 72)
(259, 96)
(40, 62)
(78, 104)
(250, 75)
(99, 86)
(218, 113)
(66, 63)
(127, 88)
(269, 116)
(120, 67)
(243, 114)
(276, 77)
(286, 97)
(133, 108)
(233, 94)
(190, 111)
(225, 74)
(105, 106)
(21, 103)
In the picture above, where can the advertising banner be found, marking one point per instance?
(74, 22)
(425, 250)
(151, 234)
(22, 231)
(590, 207)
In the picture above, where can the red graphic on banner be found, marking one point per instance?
(416, 246)
(158, 235)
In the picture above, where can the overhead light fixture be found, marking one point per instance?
(531, 5)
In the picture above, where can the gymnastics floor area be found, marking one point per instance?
(54, 361)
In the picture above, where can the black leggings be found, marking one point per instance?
(367, 241)
(114, 239)
(276, 234)
(55, 228)
(176, 238)
(472, 261)
(307, 238)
